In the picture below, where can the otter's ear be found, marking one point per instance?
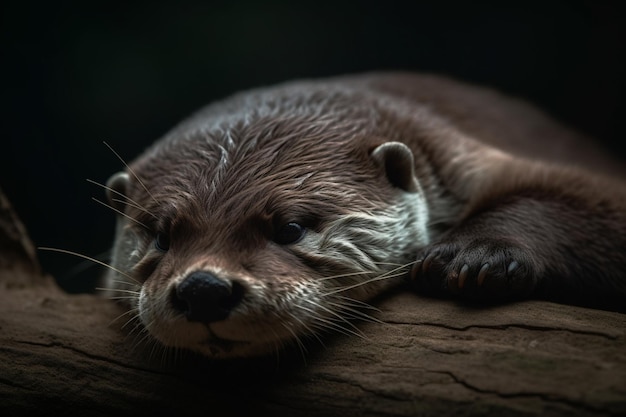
(397, 161)
(117, 186)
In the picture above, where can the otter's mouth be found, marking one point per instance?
(219, 346)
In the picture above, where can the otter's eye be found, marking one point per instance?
(162, 242)
(289, 233)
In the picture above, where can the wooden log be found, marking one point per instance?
(64, 354)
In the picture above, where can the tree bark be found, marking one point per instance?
(67, 354)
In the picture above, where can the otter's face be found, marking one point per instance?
(237, 252)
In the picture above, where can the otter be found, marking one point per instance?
(278, 213)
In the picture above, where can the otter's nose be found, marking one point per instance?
(202, 296)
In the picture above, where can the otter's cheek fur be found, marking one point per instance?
(357, 260)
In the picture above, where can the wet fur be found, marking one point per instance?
(490, 182)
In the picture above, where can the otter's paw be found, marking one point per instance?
(483, 269)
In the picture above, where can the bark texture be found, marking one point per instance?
(66, 354)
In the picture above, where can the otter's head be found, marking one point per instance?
(247, 230)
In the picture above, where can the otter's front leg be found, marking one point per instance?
(558, 246)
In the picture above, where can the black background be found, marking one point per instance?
(76, 74)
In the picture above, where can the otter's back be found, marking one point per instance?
(504, 122)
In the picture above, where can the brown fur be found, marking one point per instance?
(514, 205)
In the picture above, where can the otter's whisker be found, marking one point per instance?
(387, 275)
(349, 274)
(138, 330)
(133, 292)
(131, 311)
(123, 297)
(354, 313)
(121, 213)
(390, 263)
(356, 303)
(147, 336)
(165, 355)
(126, 200)
(89, 259)
(138, 337)
(131, 171)
(296, 338)
(134, 318)
(307, 328)
(400, 267)
(84, 265)
(338, 317)
(119, 281)
(156, 347)
(137, 206)
(277, 344)
(359, 284)
(327, 324)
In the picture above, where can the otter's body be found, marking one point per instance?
(274, 214)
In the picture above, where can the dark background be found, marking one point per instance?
(76, 74)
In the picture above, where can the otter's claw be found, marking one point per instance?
(427, 261)
(462, 276)
(487, 269)
(512, 267)
(482, 274)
